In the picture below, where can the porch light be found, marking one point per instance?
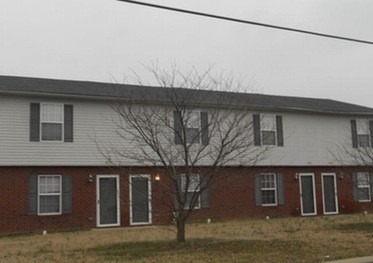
(341, 175)
(157, 177)
(90, 178)
(296, 176)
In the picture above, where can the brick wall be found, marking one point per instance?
(231, 196)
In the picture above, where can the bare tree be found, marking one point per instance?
(186, 129)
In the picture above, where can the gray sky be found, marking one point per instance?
(97, 39)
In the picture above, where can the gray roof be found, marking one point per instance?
(105, 91)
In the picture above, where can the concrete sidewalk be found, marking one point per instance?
(355, 260)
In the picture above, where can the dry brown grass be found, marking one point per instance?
(298, 239)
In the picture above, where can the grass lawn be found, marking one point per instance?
(296, 239)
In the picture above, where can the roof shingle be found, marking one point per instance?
(101, 91)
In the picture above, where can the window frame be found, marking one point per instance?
(365, 132)
(190, 125)
(367, 185)
(273, 116)
(198, 189)
(269, 189)
(49, 194)
(62, 122)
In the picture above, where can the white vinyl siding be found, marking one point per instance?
(49, 195)
(310, 138)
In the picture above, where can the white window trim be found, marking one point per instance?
(98, 177)
(314, 193)
(365, 186)
(198, 126)
(189, 124)
(364, 132)
(147, 176)
(270, 189)
(49, 194)
(261, 128)
(58, 122)
(199, 201)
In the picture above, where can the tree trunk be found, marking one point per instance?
(180, 236)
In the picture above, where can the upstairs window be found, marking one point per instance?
(51, 121)
(363, 133)
(268, 130)
(191, 127)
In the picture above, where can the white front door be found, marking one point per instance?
(108, 208)
(307, 194)
(329, 193)
(140, 199)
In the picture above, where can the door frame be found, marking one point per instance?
(98, 177)
(335, 193)
(147, 176)
(314, 193)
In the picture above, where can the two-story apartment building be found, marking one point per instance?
(53, 175)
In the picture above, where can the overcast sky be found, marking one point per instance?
(100, 39)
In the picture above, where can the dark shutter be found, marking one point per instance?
(354, 186)
(280, 189)
(178, 128)
(371, 134)
(35, 122)
(256, 126)
(258, 190)
(68, 123)
(33, 195)
(279, 129)
(354, 133)
(205, 194)
(67, 181)
(204, 128)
